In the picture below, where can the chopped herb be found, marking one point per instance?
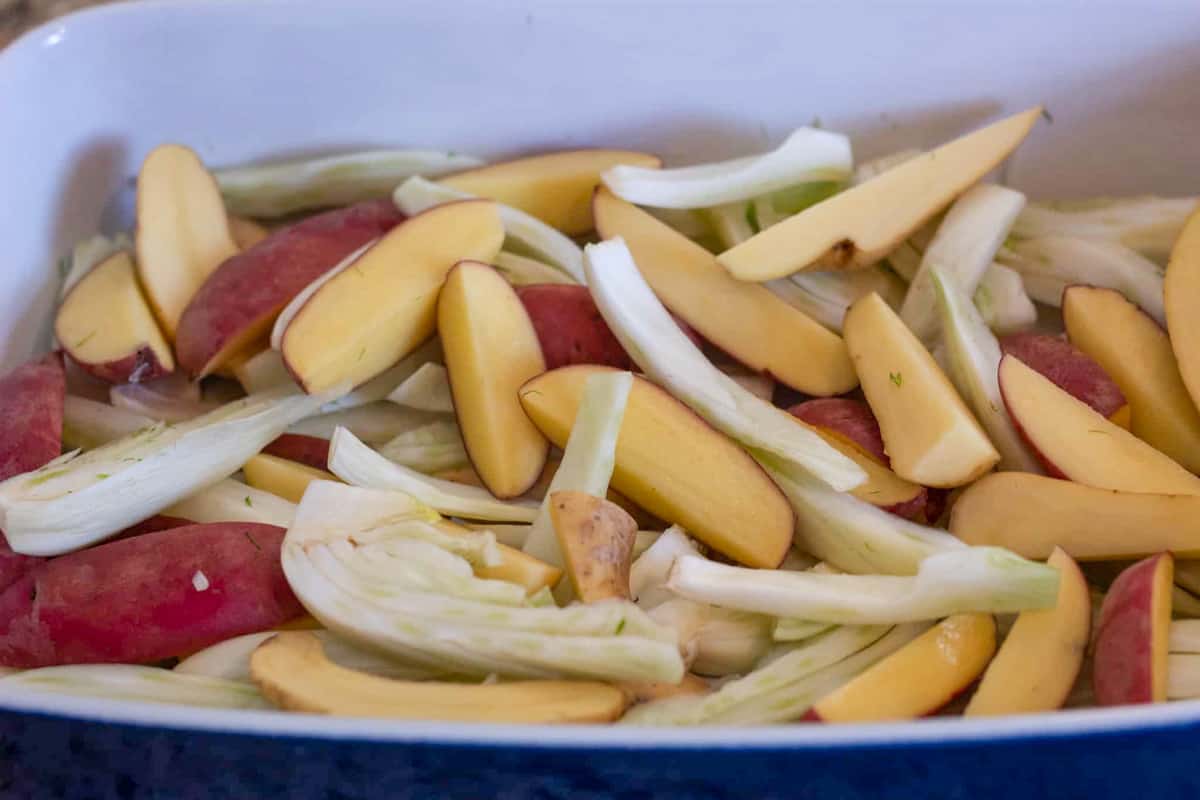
(101, 476)
(362, 353)
(251, 538)
(248, 503)
(896, 378)
(620, 626)
(85, 339)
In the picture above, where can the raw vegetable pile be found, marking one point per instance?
(579, 438)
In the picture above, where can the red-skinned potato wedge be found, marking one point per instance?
(1181, 296)
(384, 305)
(745, 320)
(554, 187)
(1039, 661)
(919, 678)
(1072, 370)
(596, 537)
(882, 488)
(649, 691)
(1130, 661)
(860, 226)
(515, 565)
(159, 522)
(571, 330)
(282, 477)
(491, 351)
(182, 230)
(930, 435)
(293, 672)
(106, 327)
(850, 428)
(312, 451)
(31, 415)
(246, 232)
(237, 304)
(849, 418)
(1031, 514)
(31, 421)
(673, 464)
(1132, 348)
(147, 598)
(13, 565)
(1074, 441)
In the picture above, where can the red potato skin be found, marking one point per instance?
(1123, 664)
(571, 330)
(133, 368)
(133, 600)
(31, 414)
(312, 451)
(247, 292)
(854, 421)
(1068, 368)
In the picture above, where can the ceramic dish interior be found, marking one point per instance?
(86, 97)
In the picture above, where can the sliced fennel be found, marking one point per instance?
(524, 271)
(88, 423)
(973, 354)
(648, 574)
(717, 641)
(351, 574)
(688, 221)
(162, 405)
(88, 254)
(730, 223)
(516, 535)
(1050, 264)
(807, 155)
(1002, 301)
(273, 190)
(797, 630)
(233, 501)
(965, 244)
(77, 500)
(263, 370)
(651, 336)
(983, 579)
(530, 233)
(770, 209)
(427, 389)
(374, 423)
(853, 535)
(230, 660)
(359, 465)
(430, 448)
(905, 260)
(827, 296)
(781, 690)
(877, 166)
(1148, 224)
(130, 682)
(588, 459)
